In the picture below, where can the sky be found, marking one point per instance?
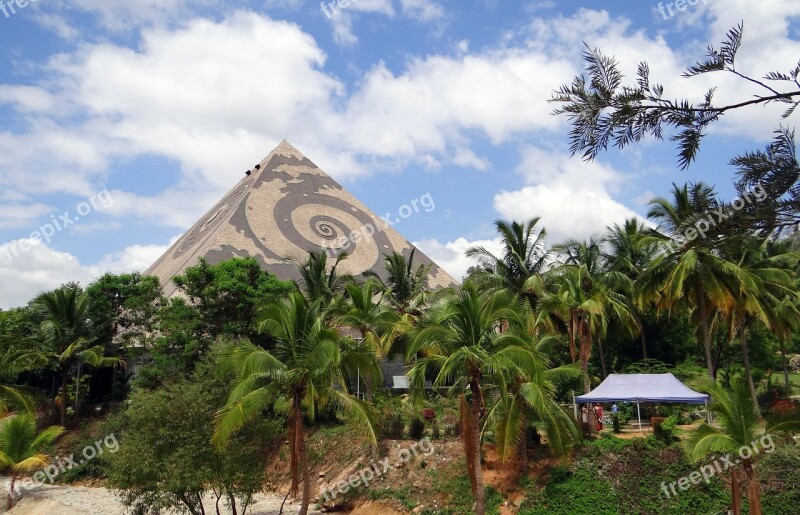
(123, 121)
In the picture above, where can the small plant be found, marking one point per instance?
(436, 432)
(665, 431)
(417, 429)
(429, 415)
(393, 427)
(615, 423)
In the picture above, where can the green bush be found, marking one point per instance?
(393, 427)
(615, 423)
(666, 430)
(417, 429)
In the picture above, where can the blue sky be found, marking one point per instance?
(161, 105)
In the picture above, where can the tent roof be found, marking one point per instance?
(643, 388)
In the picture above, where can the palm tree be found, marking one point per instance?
(531, 395)
(308, 366)
(772, 269)
(689, 271)
(520, 267)
(406, 287)
(377, 324)
(629, 255)
(462, 347)
(65, 337)
(739, 424)
(586, 298)
(21, 447)
(321, 282)
(12, 396)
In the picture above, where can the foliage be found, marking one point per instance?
(429, 415)
(416, 430)
(21, 447)
(666, 430)
(165, 460)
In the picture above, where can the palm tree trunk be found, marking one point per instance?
(10, 499)
(705, 331)
(306, 476)
(602, 357)
(753, 488)
(473, 441)
(63, 407)
(299, 459)
(523, 448)
(746, 361)
(644, 344)
(736, 494)
(785, 362)
(584, 352)
(368, 386)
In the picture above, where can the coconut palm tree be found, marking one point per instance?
(628, 254)
(65, 338)
(463, 348)
(21, 447)
(377, 324)
(738, 419)
(530, 395)
(522, 263)
(689, 270)
(772, 269)
(321, 281)
(308, 366)
(586, 298)
(406, 286)
(13, 396)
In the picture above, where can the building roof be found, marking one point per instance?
(283, 209)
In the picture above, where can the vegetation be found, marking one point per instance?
(240, 360)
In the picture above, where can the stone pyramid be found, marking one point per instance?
(279, 212)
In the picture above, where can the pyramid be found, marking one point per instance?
(279, 212)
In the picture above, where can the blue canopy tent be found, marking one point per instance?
(643, 388)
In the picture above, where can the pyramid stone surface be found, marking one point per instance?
(283, 210)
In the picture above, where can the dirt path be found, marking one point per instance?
(81, 500)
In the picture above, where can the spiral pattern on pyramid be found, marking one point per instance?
(284, 209)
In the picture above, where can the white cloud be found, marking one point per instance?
(38, 268)
(451, 256)
(422, 10)
(572, 197)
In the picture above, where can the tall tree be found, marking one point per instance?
(66, 338)
(307, 366)
(585, 298)
(321, 280)
(629, 254)
(406, 286)
(520, 266)
(377, 324)
(531, 395)
(463, 348)
(689, 270)
(738, 428)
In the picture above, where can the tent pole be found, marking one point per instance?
(639, 414)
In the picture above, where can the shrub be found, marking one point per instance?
(783, 410)
(615, 423)
(436, 433)
(665, 431)
(417, 429)
(429, 415)
(393, 427)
